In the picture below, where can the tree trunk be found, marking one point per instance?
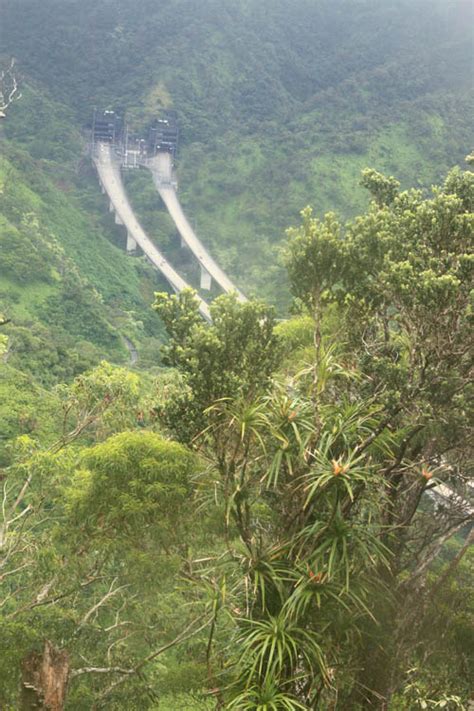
(44, 679)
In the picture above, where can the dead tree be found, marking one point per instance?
(45, 677)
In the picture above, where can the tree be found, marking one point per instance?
(382, 188)
(93, 529)
(133, 486)
(324, 479)
(403, 288)
(232, 357)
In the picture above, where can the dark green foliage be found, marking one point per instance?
(51, 354)
(279, 105)
(233, 357)
(24, 258)
(78, 307)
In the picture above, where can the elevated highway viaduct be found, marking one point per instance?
(108, 169)
(161, 170)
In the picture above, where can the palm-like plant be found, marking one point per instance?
(300, 482)
(278, 648)
(265, 697)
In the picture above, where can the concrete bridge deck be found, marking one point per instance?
(108, 168)
(161, 170)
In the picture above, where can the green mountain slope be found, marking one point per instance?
(67, 285)
(280, 104)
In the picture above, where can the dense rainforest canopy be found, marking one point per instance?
(270, 511)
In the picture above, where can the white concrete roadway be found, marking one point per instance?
(161, 170)
(108, 169)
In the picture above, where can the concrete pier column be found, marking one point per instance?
(131, 244)
(205, 279)
(118, 219)
(182, 242)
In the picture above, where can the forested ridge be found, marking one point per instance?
(272, 511)
(286, 101)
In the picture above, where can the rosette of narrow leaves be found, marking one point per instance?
(266, 576)
(266, 696)
(277, 647)
(234, 447)
(341, 474)
(313, 591)
(290, 429)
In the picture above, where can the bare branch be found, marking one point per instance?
(435, 550)
(187, 633)
(100, 670)
(111, 592)
(54, 600)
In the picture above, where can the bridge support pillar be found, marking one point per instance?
(131, 244)
(182, 242)
(205, 279)
(118, 219)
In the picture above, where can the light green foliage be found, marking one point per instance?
(313, 257)
(68, 289)
(24, 254)
(112, 392)
(296, 336)
(384, 190)
(3, 338)
(135, 485)
(25, 408)
(296, 333)
(184, 702)
(304, 555)
(393, 267)
(90, 542)
(461, 183)
(40, 282)
(265, 698)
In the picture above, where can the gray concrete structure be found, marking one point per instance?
(161, 170)
(108, 169)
